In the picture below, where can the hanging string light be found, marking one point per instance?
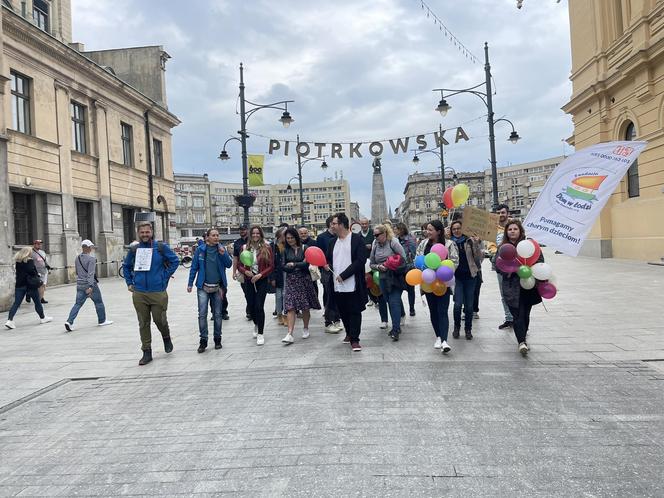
(447, 33)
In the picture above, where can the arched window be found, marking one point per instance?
(633, 171)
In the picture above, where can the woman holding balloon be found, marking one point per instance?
(386, 247)
(516, 256)
(256, 264)
(444, 256)
(470, 257)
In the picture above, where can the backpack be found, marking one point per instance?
(160, 248)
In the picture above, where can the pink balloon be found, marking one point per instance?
(444, 273)
(428, 275)
(547, 290)
(507, 252)
(440, 249)
(507, 265)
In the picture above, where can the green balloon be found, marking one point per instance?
(247, 258)
(432, 260)
(524, 271)
(376, 277)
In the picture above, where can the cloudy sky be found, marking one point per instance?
(358, 71)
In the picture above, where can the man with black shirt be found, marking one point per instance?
(237, 249)
(331, 315)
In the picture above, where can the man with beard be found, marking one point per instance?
(503, 212)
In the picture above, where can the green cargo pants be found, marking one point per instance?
(155, 304)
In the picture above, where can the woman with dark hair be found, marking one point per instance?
(277, 277)
(470, 259)
(409, 245)
(519, 300)
(256, 275)
(300, 294)
(438, 305)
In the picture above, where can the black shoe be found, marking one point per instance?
(412, 312)
(147, 357)
(274, 313)
(44, 301)
(202, 345)
(225, 316)
(469, 335)
(505, 325)
(27, 299)
(168, 344)
(455, 332)
(217, 344)
(248, 317)
(394, 334)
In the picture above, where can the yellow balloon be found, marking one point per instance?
(448, 262)
(414, 277)
(426, 287)
(460, 194)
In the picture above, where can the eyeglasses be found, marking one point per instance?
(378, 234)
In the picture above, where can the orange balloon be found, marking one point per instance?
(438, 288)
(414, 277)
(426, 287)
(375, 291)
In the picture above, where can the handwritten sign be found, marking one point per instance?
(479, 223)
(143, 260)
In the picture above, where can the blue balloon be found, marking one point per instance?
(419, 262)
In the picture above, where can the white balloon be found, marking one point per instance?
(525, 249)
(528, 283)
(542, 271)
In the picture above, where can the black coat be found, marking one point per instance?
(358, 257)
(25, 270)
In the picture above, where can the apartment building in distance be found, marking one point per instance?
(192, 205)
(85, 141)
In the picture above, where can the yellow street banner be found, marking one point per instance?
(255, 165)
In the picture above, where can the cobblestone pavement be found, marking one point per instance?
(583, 415)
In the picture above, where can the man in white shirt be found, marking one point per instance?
(346, 255)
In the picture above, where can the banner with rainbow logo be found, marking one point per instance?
(576, 192)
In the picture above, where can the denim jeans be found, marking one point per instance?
(279, 300)
(464, 295)
(212, 299)
(19, 295)
(393, 302)
(506, 309)
(81, 297)
(438, 306)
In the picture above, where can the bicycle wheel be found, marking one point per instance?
(186, 261)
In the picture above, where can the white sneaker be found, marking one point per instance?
(331, 329)
(305, 334)
(107, 322)
(46, 319)
(69, 327)
(445, 348)
(260, 340)
(288, 339)
(438, 343)
(383, 325)
(255, 334)
(10, 324)
(370, 304)
(338, 326)
(476, 316)
(523, 348)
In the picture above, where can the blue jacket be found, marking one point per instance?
(155, 280)
(198, 266)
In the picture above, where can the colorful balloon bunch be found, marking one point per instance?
(456, 196)
(433, 272)
(373, 283)
(522, 260)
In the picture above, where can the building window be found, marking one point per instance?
(633, 171)
(78, 127)
(127, 144)
(84, 219)
(20, 89)
(198, 202)
(158, 158)
(199, 218)
(40, 14)
(23, 219)
(128, 226)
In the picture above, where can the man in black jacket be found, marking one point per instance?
(346, 255)
(331, 315)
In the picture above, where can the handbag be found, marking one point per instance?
(314, 272)
(34, 282)
(211, 288)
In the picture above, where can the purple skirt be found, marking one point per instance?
(299, 292)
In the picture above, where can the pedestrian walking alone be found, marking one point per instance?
(256, 276)
(27, 283)
(346, 257)
(300, 294)
(439, 305)
(208, 270)
(148, 268)
(470, 257)
(519, 300)
(386, 245)
(87, 286)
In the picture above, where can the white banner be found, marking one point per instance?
(576, 192)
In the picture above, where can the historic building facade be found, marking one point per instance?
(192, 205)
(618, 94)
(81, 150)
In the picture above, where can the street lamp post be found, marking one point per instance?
(301, 163)
(245, 200)
(441, 157)
(487, 98)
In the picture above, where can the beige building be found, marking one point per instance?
(618, 94)
(81, 149)
(193, 216)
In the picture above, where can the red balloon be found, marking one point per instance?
(369, 279)
(533, 259)
(447, 198)
(315, 256)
